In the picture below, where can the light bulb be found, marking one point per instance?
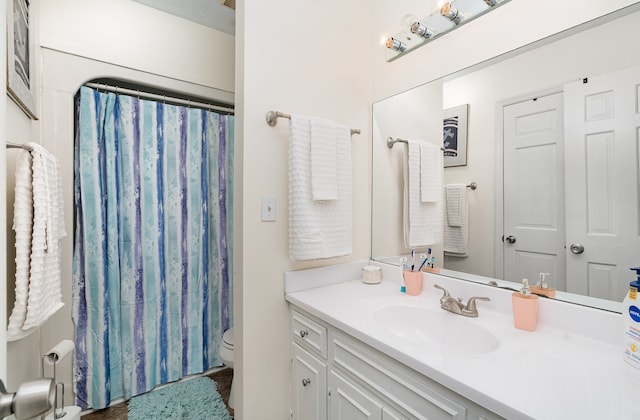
(450, 13)
(421, 30)
(408, 20)
(394, 44)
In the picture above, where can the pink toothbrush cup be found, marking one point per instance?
(525, 311)
(413, 282)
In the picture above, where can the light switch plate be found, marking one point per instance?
(268, 209)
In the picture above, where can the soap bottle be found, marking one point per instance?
(525, 308)
(542, 288)
(631, 322)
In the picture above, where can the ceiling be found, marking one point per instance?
(205, 12)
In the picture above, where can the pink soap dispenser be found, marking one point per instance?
(525, 308)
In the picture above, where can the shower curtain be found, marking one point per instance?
(152, 265)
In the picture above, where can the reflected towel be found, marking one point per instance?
(318, 229)
(456, 230)
(324, 171)
(422, 221)
(431, 172)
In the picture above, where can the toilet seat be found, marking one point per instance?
(227, 338)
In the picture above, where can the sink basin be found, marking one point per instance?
(436, 329)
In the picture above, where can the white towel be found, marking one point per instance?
(456, 230)
(22, 226)
(324, 170)
(44, 296)
(422, 221)
(318, 229)
(431, 172)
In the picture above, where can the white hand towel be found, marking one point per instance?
(456, 199)
(318, 229)
(431, 172)
(22, 225)
(456, 230)
(324, 170)
(422, 221)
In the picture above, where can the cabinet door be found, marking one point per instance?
(346, 402)
(309, 382)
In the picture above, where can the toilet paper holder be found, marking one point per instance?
(62, 349)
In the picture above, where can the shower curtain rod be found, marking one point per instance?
(156, 97)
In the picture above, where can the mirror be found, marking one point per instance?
(559, 65)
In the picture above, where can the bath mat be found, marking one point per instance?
(194, 399)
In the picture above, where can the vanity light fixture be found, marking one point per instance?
(451, 13)
(421, 30)
(394, 44)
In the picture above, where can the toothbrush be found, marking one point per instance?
(403, 261)
(433, 261)
(413, 259)
(424, 259)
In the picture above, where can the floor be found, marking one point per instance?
(119, 412)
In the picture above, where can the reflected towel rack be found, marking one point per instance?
(391, 141)
(272, 120)
(11, 145)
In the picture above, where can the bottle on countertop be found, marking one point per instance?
(542, 288)
(631, 322)
(525, 308)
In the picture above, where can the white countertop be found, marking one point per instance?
(574, 371)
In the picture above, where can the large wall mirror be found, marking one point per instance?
(553, 144)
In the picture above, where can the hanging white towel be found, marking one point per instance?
(431, 172)
(422, 221)
(44, 296)
(456, 230)
(318, 229)
(22, 226)
(324, 170)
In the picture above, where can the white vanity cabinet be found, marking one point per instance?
(335, 376)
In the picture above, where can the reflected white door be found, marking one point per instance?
(533, 224)
(602, 123)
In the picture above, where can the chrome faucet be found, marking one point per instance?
(451, 304)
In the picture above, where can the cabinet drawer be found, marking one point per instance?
(419, 398)
(309, 333)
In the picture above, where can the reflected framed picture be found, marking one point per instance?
(21, 72)
(454, 136)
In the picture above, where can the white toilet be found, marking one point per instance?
(226, 355)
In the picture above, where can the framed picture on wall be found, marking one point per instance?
(454, 136)
(21, 62)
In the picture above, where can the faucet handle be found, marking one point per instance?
(471, 308)
(445, 294)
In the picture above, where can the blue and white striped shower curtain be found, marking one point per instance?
(152, 266)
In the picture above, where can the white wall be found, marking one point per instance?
(309, 58)
(136, 36)
(522, 77)
(71, 56)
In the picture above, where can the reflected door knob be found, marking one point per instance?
(577, 248)
(510, 239)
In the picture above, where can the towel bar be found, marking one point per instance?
(272, 120)
(11, 145)
(391, 141)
